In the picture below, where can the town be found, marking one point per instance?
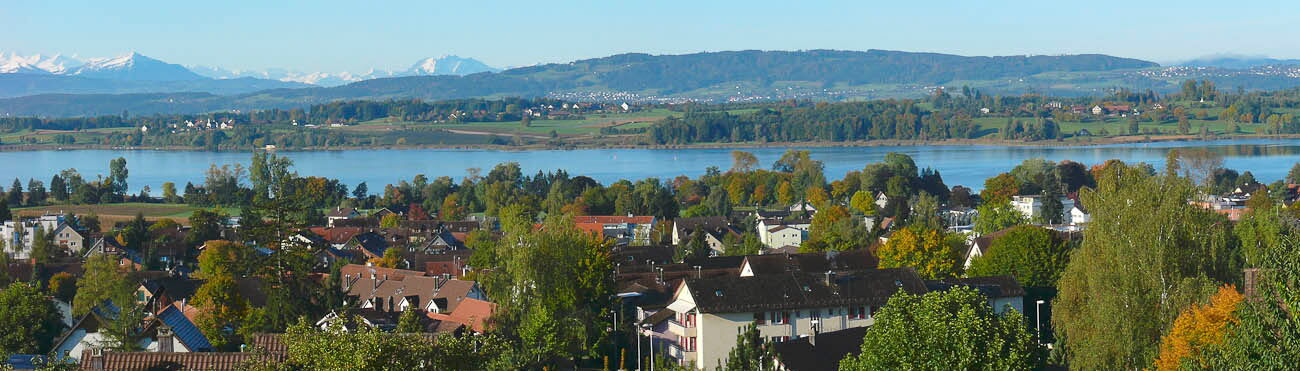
(747, 268)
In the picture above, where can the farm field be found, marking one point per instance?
(112, 213)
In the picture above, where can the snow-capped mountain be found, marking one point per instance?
(133, 66)
(449, 65)
(444, 65)
(37, 63)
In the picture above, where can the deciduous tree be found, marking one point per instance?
(929, 251)
(945, 330)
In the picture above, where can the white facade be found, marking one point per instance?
(1032, 206)
(1078, 216)
(18, 236)
(777, 234)
(705, 339)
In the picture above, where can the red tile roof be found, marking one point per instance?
(473, 313)
(604, 219)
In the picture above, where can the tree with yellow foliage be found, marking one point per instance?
(929, 251)
(1198, 327)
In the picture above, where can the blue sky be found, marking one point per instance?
(357, 35)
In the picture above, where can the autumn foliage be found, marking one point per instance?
(1198, 327)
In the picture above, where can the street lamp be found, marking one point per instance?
(1038, 320)
(650, 335)
(637, 336)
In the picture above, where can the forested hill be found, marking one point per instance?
(751, 75)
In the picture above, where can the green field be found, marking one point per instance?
(590, 125)
(111, 213)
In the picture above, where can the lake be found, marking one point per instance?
(1268, 159)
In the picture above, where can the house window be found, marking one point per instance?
(758, 318)
(780, 318)
(858, 312)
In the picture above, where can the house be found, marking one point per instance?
(1031, 206)
(1078, 215)
(803, 207)
(624, 230)
(472, 313)
(1003, 292)
(821, 351)
(370, 244)
(170, 330)
(819, 262)
(18, 235)
(1097, 110)
(69, 238)
(109, 246)
(340, 213)
(715, 229)
(882, 200)
(960, 217)
(785, 232)
(710, 312)
(395, 294)
(351, 319)
(98, 359)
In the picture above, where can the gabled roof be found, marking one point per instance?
(371, 243)
(270, 343)
(613, 219)
(342, 212)
(992, 287)
(823, 354)
(173, 361)
(472, 313)
(365, 271)
(801, 290)
(184, 330)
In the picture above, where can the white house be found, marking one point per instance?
(775, 233)
(1032, 206)
(1079, 216)
(19, 235)
(711, 312)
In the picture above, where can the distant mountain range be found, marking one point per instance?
(144, 85)
(135, 73)
(1238, 62)
(444, 65)
(713, 76)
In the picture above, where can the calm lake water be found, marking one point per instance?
(1268, 159)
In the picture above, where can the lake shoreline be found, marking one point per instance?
(539, 147)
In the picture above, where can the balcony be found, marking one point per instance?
(679, 329)
(682, 356)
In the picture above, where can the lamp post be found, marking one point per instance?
(652, 345)
(637, 336)
(1038, 320)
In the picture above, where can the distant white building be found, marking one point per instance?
(1032, 206)
(19, 235)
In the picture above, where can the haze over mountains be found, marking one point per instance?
(135, 73)
(151, 86)
(444, 65)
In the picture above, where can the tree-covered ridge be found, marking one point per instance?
(676, 73)
(630, 73)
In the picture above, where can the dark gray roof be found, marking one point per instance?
(823, 354)
(992, 286)
(802, 290)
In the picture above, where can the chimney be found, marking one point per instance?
(830, 278)
(165, 339)
(96, 358)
